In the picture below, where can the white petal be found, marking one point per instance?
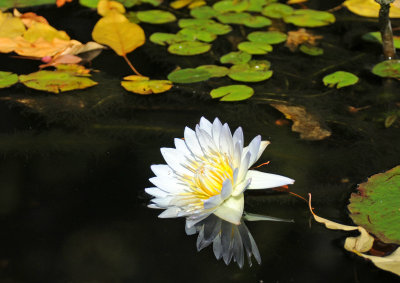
(162, 202)
(241, 187)
(216, 130)
(168, 185)
(206, 125)
(237, 154)
(193, 220)
(225, 141)
(175, 160)
(263, 145)
(212, 202)
(243, 167)
(261, 180)
(254, 147)
(171, 212)
(162, 170)
(231, 210)
(181, 146)
(205, 140)
(156, 192)
(238, 136)
(154, 206)
(226, 190)
(192, 142)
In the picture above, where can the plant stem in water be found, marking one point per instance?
(386, 32)
(131, 66)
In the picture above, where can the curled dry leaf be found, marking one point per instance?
(307, 124)
(301, 36)
(362, 244)
(29, 18)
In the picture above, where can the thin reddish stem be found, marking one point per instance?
(131, 66)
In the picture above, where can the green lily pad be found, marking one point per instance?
(236, 57)
(163, 39)
(214, 70)
(205, 24)
(340, 79)
(7, 79)
(255, 48)
(145, 87)
(377, 38)
(230, 6)
(376, 206)
(277, 11)
(5, 4)
(232, 92)
(55, 81)
(196, 33)
(253, 71)
(257, 22)
(311, 50)
(155, 16)
(132, 17)
(203, 12)
(234, 18)
(188, 48)
(310, 18)
(388, 69)
(257, 5)
(189, 75)
(269, 37)
(93, 3)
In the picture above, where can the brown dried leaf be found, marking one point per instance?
(300, 36)
(307, 124)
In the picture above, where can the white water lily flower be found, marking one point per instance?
(207, 173)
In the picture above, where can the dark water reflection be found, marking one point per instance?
(73, 167)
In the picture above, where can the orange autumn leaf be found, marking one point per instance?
(7, 45)
(60, 3)
(30, 18)
(10, 26)
(300, 36)
(41, 48)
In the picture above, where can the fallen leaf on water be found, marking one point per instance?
(301, 36)
(369, 8)
(60, 3)
(7, 79)
(62, 59)
(7, 44)
(142, 85)
(362, 244)
(40, 30)
(41, 47)
(305, 123)
(57, 81)
(105, 6)
(10, 26)
(29, 18)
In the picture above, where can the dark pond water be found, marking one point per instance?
(73, 167)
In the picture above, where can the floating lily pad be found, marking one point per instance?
(207, 25)
(189, 75)
(233, 18)
(269, 37)
(55, 81)
(277, 11)
(7, 79)
(163, 39)
(340, 79)
(230, 6)
(376, 206)
(255, 48)
(147, 86)
(196, 33)
(237, 57)
(377, 37)
(204, 12)
(214, 70)
(6, 4)
(232, 92)
(311, 50)
(388, 69)
(257, 22)
(155, 16)
(310, 18)
(257, 5)
(94, 3)
(188, 48)
(253, 71)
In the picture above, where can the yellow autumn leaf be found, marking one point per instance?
(197, 3)
(147, 86)
(179, 4)
(136, 78)
(116, 31)
(47, 32)
(7, 44)
(369, 8)
(291, 2)
(9, 26)
(105, 6)
(41, 48)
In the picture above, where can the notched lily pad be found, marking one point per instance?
(230, 6)
(7, 79)
(236, 57)
(232, 92)
(233, 18)
(253, 71)
(146, 86)
(388, 69)
(188, 48)
(56, 81)
(214, 70)
(340, 79)
(155, 16)
(189, 75)
(310, 18)
(277, 10)
(163, 39)
(255, 48)
(375, 206)
(257, 22)
(205, 24)
(196, 33)
(204, 12)
(269, 37)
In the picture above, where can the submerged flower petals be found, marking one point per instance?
(207, 173)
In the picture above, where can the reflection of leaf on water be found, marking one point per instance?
(307, 124)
